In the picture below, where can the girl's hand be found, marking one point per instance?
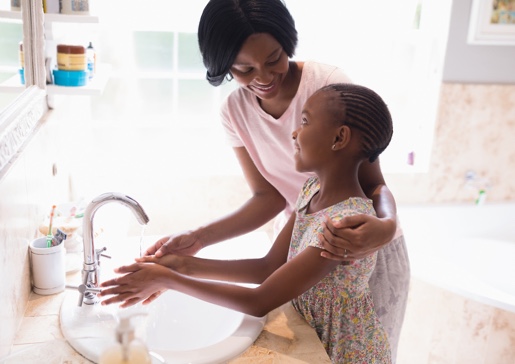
(185, 243)
(355, 237)
(141, 282)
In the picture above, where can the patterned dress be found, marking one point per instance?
(340, 306)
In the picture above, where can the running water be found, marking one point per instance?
(141, 240)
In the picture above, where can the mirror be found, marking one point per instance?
(21, 106)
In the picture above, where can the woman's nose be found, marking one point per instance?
(264, 77)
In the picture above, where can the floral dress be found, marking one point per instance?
(340, 306)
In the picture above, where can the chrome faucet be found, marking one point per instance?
(91, 268)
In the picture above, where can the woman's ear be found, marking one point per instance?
(342, 138)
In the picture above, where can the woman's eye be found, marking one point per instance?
(243, 71)
(275, 61)
(304, 121)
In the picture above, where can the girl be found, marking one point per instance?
(343, 126)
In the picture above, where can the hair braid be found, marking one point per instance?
(365, 110)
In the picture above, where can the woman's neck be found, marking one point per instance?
(277, 106)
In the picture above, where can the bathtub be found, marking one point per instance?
(465, 248)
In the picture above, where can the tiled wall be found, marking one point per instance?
(26, 195)
(441, 327)
(474, 132)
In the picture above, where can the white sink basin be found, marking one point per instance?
(180, 328)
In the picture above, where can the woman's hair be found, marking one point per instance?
(226, 24)
(361, 108)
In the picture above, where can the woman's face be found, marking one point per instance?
(261, 66)
(316, 134)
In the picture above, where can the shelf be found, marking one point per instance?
(95, 87)
(53, 18)
(7, 14)
(12, 84)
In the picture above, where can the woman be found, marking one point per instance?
(252, 41)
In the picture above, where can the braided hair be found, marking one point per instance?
(363, 109)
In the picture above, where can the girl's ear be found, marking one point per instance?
(342, 138)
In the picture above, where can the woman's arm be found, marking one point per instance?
(265, 203)
(355, 237)
(280, 281)
(241, 270)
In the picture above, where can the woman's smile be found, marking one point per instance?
(263, 89)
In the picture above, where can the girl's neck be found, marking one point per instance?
(334, 189)
(277, 106)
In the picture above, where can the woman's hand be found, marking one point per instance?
(141, 282)
(355, 237)
(185, 243)
(171, 261)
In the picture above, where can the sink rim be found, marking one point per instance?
(240, 340)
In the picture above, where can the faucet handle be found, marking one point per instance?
(98, 253)
(84, 289)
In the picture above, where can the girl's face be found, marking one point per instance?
(316, 135)
(261, 66)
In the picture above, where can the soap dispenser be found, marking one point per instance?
(128, 349)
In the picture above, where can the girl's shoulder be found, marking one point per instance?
(310, 187)
(351, 206)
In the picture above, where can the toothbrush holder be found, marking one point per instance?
(48, 267)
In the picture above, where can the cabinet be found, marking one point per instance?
(94, 86)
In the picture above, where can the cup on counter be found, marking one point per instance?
(48, 267)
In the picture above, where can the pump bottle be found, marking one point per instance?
(128, 349)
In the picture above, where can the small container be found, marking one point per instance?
(48, 267)
(21, 57)
(21, 71)
(15, 5)
(70, 78)
(51, 6)
(78, 7)
(91, 60)
(71, 58)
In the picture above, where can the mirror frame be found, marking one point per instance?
(20, 120)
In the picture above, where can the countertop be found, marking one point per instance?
(286, 337)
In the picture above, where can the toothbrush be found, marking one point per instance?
(50, 235)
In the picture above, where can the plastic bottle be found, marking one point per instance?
(128, 349)
(91, 60)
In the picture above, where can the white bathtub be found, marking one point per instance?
(464, 248)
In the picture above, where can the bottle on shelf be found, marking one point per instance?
(91, 60)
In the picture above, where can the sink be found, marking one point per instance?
(179, 328)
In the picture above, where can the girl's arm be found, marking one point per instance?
(265, 203)
(360, 235)
(283, 281)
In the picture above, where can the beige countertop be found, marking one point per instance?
(286, 338)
